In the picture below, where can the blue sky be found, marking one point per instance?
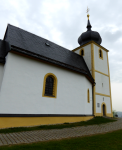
(62, 22)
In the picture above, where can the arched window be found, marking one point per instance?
(82, 52)
(88, 96)
(50, 86)
(100, 54)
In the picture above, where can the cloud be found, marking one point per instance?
(63, 21)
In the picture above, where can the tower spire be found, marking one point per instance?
(88, 24)
(89, 35)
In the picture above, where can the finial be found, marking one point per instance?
(87, 11)
(88, 24)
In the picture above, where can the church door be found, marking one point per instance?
(103, 110)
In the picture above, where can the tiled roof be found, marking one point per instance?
(34, 45)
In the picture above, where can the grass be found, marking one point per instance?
(108, 141)
(96, 120)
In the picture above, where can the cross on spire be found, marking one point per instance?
(87, 11)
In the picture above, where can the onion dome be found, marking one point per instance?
(89, 35)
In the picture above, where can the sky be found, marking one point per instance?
(63, 21)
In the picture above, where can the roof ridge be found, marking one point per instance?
(36, 36)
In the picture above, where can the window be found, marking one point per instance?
(50, 86)
(100, 54)
(82, 52)
(98, 104)
(88, 96)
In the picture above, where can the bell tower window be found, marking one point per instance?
(100, 54)
(82, 52)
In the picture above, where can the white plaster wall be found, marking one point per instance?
(100, 65)
(88, 106)
(99, 79)
(22, 87)
(1, 73)
(77, 51)
(99, 99)
(87, 54)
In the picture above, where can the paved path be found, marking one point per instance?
(54, 134)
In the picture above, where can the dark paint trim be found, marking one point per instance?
(2, 60)
(43, 115)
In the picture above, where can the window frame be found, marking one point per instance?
(88, 96)
(49, 86)
(81, 52)
(54, 86)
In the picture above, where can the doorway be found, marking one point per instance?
(103, 110)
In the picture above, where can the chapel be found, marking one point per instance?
(44, 83)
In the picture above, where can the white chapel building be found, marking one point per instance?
(44, 83)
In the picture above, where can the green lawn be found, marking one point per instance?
(108, 141)
(96, 120)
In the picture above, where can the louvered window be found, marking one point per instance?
(82, 52)
(100, 54)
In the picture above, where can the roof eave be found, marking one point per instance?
(88, 44)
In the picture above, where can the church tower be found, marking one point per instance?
(96, 58)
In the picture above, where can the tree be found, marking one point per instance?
(114, 113)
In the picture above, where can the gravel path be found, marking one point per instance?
(54, 134)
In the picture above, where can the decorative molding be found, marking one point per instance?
(93, 75)
(102, 94)
(109, 85)
(90, 43)
(101, 73)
